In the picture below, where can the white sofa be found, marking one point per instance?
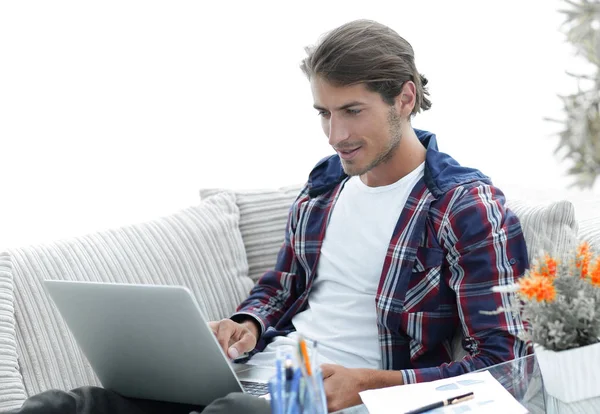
(217, 248)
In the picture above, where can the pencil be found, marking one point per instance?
(304, 352)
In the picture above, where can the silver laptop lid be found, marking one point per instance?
(146, 341)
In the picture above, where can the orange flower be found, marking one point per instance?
(548, 267)
(595, 273)
(537, 286)
(583, 248)
(584, 256)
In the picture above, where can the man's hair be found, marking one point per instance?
(364, 51)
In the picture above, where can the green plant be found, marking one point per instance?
(580, 137)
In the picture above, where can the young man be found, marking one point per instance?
(391, 248)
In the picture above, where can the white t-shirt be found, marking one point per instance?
(341, 314)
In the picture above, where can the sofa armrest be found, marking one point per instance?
(12, 389)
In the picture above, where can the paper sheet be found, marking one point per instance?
(489, 396)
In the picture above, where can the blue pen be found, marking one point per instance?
(276, 403)
(289, 372)
(293, 397)
(279, 376)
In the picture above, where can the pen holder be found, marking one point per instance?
(305, 396)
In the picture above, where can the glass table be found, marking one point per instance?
(521, 377)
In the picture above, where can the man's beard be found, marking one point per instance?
(388, 152)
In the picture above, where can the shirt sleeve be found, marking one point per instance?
(279, 288)
(485, 248)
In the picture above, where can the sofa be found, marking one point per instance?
(217, 248)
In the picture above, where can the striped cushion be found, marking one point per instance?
(12, 390)
(589, 230)
(548, 228)
(200, 247)
(263, 217)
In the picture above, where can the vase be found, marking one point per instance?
(571, 378)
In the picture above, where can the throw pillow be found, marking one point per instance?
(263, 218)
(548, 228)
(589, 230)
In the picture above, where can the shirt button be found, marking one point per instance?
(513, 261)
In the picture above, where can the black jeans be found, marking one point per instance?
(95, 400)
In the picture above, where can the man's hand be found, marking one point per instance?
(235, 338)
(342, 385)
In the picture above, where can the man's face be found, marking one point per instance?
(361, 127)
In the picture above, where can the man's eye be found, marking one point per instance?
(353, 111)
(323, 113)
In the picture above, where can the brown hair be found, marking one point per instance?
(364, 51)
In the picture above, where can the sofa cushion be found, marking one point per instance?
(199, 247)
(12, 390)
(589, 230)
(263, 218)
(547, 228)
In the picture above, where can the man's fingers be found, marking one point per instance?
(224, 333)
(214, 326)
(246, 344)
(234, 339)
(327, 370)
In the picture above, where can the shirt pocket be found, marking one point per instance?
(423, 290)
(427, 331)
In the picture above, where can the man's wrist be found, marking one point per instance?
(376, 378)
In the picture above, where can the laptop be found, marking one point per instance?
(151, 342)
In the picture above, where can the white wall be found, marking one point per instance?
(119, 111)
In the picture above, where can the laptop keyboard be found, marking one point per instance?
(255, 388)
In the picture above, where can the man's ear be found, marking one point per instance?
(406, 99)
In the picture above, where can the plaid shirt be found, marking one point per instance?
(453, 242)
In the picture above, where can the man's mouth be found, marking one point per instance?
(348, 154)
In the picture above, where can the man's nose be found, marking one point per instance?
(337, 132)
